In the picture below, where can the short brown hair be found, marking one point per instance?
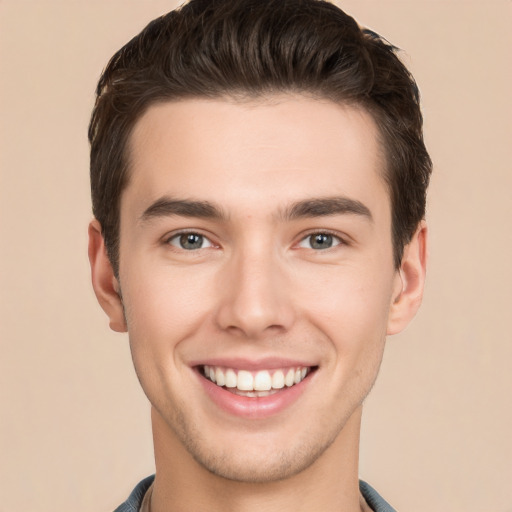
(250, 49)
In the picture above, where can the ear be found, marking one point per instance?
(410, 281)
(106, 286)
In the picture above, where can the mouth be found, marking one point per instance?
(255, 384)
(256, 389)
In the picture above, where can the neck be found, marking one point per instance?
(329, 484)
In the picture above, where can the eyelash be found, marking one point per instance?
(340, 240)
(304, 238)
(177, 236)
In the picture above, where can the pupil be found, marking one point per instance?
(321, 241)
(191, 241)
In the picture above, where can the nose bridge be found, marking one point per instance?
(254, 297)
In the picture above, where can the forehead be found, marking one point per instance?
(274, 151)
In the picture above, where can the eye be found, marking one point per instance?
(189, 241)
(320, 241)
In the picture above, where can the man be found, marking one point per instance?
(258, 180)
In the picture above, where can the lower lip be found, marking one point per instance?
(253, 407)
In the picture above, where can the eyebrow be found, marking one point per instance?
(307, 208)
(167, 207)
(323, 207)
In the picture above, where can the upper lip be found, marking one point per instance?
(266, 363)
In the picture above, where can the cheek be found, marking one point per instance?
(162, 308)
(348, 303)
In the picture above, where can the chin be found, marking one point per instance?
(258, 458)
(273, 466)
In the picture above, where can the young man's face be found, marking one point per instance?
(255, 245)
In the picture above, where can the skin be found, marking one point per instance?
(257, 288)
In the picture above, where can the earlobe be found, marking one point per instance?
(105, 284)
(411, 279)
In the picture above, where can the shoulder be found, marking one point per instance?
(134, 501)
(374, 499)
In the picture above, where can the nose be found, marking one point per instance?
(255, 298)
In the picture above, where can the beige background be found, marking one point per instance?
(74, 426)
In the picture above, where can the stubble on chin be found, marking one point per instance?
(267, 464)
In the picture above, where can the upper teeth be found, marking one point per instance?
(263, 380)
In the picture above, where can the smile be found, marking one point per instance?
(255, 384)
